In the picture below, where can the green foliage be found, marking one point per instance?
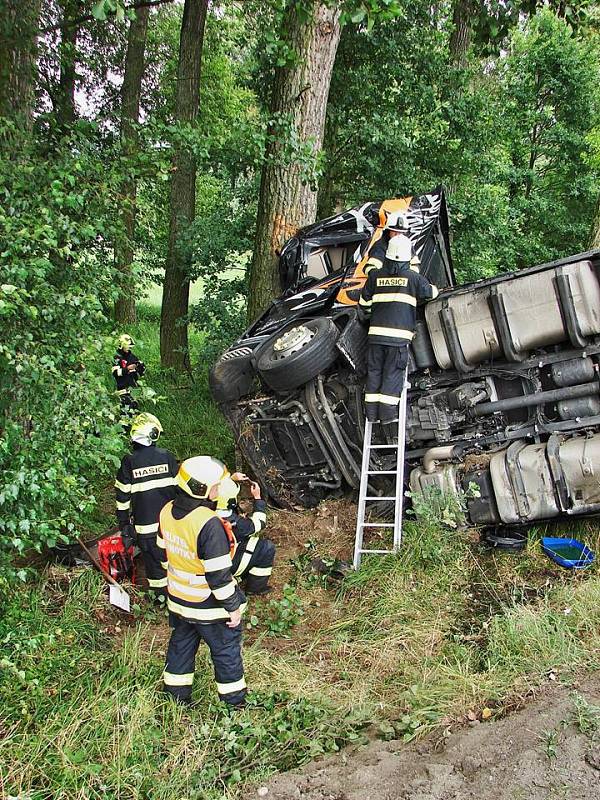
(83, 715)
(438, 509)
(509, 136)
(281, 616)
(57, 416)
(551, 84)
(586, 716)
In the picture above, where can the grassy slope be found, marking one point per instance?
(409, 643)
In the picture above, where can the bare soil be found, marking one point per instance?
(536, 753)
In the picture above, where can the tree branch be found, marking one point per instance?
(69, 23)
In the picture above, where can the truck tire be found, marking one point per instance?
(232, 376)
(297, 356)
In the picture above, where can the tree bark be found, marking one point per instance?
(176, 287)
(460, 39)
(19, 24)
(65, 97)
(298, 98)
(130, 114)
(595, 237)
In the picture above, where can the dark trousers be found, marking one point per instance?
(128, 404)
(253, 562)
(225, 645)
(153, 557)
(386, 367)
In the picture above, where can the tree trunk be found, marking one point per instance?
(176, 287)
(65, 98)
(19, 23)
(130, 114)
(460, 38)
(595, 237)
(299, 95)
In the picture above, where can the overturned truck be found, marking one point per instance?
(504, 375)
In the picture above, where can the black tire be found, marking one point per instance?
(231, 378)
(285, 372)
(503, 538)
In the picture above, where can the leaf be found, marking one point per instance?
(358, 16)
(486, 713)
(99, 11)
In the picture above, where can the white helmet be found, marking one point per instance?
(199, 474)
(228, 491)
(399, 248)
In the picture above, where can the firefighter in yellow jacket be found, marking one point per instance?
(204, 600)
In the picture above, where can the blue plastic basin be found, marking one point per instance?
(568, 553)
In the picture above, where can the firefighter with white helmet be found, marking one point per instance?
(254, 555)
(396, 225)
(204, 600)
(126, 370)
(389, 301)
(145, 482)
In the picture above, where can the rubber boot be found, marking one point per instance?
(257, 584)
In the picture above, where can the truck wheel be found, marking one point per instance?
(232, 376)
(298, 355)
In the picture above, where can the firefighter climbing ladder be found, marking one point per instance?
(366, 495)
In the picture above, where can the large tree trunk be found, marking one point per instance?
(65, 97)
(460, 39)
(176, 287)
(19, 23)
(130, 113)
(299, 99)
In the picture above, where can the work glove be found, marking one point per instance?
(128, 535)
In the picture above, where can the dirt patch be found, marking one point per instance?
(537, 753)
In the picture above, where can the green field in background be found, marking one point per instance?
(153, 294)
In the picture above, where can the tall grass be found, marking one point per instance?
(410, 642)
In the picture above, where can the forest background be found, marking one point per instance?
(159, 142)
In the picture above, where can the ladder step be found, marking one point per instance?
(380, 498)
(378, 524)
(381, 552)
(383, 447)
(383, 472)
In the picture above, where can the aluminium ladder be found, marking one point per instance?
(364, 497)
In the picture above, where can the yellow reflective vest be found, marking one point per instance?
(198, 589)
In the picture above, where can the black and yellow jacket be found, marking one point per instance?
(199, 547)
(145, 483)
(245, 527)
(126, 380)
(389, 298)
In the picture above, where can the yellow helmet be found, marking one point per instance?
(228, 491)
(145, 426)
(126, 342)
(199, 474)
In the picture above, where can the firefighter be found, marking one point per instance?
(389, 299)
(145, 482)
(127, 368)
(396, 225)
(204, 600)
(254, 556)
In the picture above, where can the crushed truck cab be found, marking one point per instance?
(504, 375)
